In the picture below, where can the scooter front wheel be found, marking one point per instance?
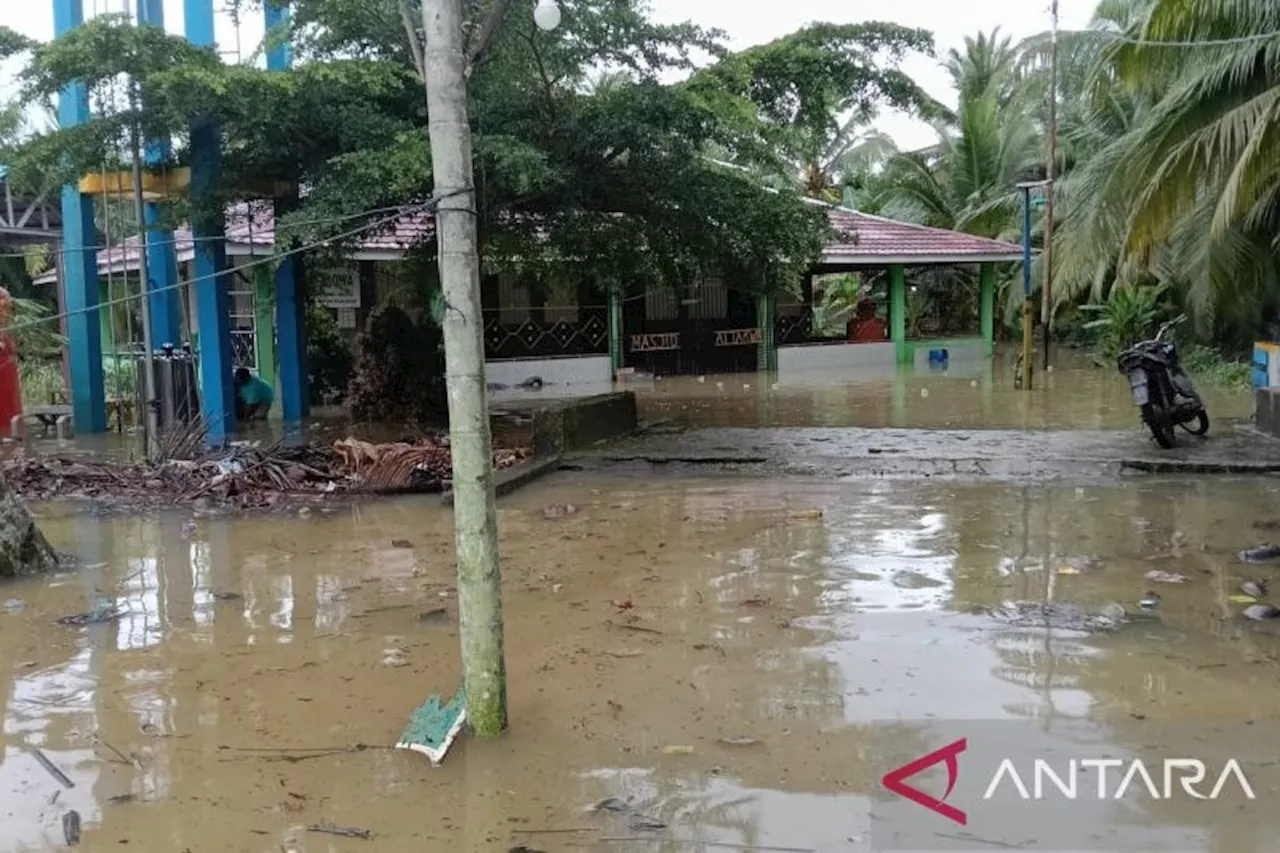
(1159, 425)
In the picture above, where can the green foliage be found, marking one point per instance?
(120, 378)
(36, 329)
(400, 374)
(1209, 367)
(1130, 314)
(330, 359)
(1178, 173)
(13, 42)
(42, 382)
(967, 181)
(840, 297)
(616, 177)
(803, 100)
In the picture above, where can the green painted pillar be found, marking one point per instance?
(615, 329)
(898, 403)
(987, 308)
(766, 350)
(898, 310)
(264, 325)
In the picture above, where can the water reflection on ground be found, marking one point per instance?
(766, 620)
(1076, 395)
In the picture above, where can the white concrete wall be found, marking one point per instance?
(567, 370)
(798, 357)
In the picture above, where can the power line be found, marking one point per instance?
(193, 239)
(1141, 42)
(146, 292)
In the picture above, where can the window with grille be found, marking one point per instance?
(244, 334)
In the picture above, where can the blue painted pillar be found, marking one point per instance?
(80, 261)
(291, 327)
(213, 303)
(162, 262)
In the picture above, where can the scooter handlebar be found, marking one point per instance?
(1169, 325)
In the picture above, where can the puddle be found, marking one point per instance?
(778, 624)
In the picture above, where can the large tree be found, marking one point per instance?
(808, 98)
(613, 178)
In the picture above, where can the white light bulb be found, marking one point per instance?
(547, 15)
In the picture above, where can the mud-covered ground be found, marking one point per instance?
(718, 653)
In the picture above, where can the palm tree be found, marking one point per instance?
(1190, 192)
(967, 180)
(986, 65)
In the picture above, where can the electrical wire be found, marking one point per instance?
(193, 239)
(1141, 42)
(369, 226)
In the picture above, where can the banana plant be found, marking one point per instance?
(1130, 314)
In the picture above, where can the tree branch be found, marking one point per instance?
(547, 84)
(415, 46)
(488, 30)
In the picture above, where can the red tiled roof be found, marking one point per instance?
(863, 238)
(860, 239)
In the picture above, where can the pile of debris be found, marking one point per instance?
(246, 476)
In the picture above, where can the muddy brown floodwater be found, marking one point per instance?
(790, 613)
(1076, 395)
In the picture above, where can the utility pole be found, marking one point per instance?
(475, 518)
(1025, 377)
(151, 417)
(1046, 304)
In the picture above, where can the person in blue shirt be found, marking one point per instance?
(254, 396)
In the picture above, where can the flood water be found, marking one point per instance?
(1075, 395)
(765, 619)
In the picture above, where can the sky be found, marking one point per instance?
(746, 22)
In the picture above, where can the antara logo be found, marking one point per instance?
(894, 780)
(1189, 774)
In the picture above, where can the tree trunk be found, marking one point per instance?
(23, 548)
(475, 517)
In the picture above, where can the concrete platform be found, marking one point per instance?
(839, 453)
(554, 426)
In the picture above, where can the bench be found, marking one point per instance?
(58, 417)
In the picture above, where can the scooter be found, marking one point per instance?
(1161, 390)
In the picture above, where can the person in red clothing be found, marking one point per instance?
(866, 327)
(10, 388)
